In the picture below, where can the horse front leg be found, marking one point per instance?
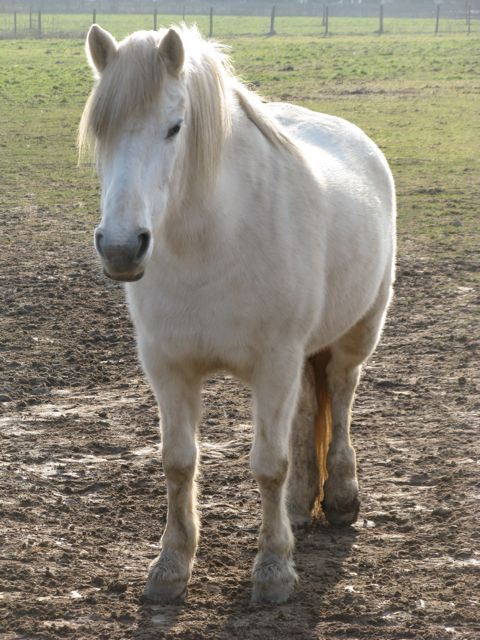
(179, 399)
(275, 387)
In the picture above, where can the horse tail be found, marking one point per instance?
(323, 423)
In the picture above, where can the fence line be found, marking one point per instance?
(18, 24)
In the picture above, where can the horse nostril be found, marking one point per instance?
(143, 244)
(98, 243)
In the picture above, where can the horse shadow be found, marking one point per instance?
(156, 621)
(320, 555)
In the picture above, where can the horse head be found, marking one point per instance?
(135, 116)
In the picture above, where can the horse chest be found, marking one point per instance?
(200, 322)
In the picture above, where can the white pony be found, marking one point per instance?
(254, 238)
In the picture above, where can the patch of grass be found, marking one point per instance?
(416, 96)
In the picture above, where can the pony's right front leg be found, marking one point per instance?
(179, 399)
(275, 388)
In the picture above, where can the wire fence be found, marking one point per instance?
(38, 24)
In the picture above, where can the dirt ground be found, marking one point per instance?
(83, 497)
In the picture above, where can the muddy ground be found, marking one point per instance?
(83, 497)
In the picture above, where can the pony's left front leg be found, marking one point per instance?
(276, 386)
(179, 399)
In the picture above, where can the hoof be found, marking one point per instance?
(273, 579)
(167, 580)
(341, 515)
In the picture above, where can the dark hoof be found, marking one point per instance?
(341, 515)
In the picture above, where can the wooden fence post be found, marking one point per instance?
(323, 15)
(155, 14)
(30, 19)
(183, 14)
(437, 21)
(326, 20)
(272, 22)
(210, 33)
(380, 26)
(94, 16)
(15, 24)
(39, 24)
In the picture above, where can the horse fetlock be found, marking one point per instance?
(273, 578)
(279, 542)
(341, 462)
(301, 495)
(341, 503)
(168, 577)
(300, 517)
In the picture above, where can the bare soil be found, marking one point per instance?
(83, 497)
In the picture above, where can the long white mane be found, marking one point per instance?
(134, 78)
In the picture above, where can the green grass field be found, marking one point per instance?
(416, 96)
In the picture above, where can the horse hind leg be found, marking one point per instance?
(340, 501)
(303, 479)
(323, 474)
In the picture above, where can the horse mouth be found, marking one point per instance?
(123, 277)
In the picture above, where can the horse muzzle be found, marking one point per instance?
(123, 261)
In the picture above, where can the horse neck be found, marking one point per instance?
(199, 211)
(189, 211)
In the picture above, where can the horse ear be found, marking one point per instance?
(172, 52)
(100, 47)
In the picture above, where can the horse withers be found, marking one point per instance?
(254, 238)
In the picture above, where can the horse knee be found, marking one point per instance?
(180, 467)
(270, 474)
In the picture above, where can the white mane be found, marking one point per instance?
(135, 77)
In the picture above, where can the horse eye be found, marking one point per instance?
(174, 130)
